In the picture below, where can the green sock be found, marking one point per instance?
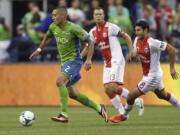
(83, 99)
(63, 99)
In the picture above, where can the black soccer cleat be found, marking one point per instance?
(103, 113)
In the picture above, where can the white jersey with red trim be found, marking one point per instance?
(149, 52)
(108, 42)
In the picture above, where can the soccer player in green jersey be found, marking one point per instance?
(68, 36)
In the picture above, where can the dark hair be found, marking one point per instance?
(98, 8)
(36, 18)
(143, 24)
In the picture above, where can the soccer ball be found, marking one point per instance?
(27, 118)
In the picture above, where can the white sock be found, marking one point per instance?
(173, 100)
(118, 104)
(124, 93)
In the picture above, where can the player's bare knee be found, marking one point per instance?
(72, 95)
(59, 82)
(130, 97)
(160, 94)
(108, 90)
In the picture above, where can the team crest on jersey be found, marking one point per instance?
(104, 34)
(68, 34)
(146, 50)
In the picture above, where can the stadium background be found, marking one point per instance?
(24, 83)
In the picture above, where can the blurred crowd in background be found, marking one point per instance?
(163, 20)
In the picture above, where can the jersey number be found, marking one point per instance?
(142, 85)
(67, 69)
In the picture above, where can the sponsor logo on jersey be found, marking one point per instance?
(84, 34)
(144, 59)
(104, 34)
(146, 50)
(61, 40)
(102, 45)
(68, 33)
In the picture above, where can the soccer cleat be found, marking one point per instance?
(140, 105)
(103, 113)
(118, 118)
(60, 118)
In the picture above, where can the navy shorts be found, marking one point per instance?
(72, 70)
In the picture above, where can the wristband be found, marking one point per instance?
(39, 49)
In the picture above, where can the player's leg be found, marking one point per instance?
(162, 94)
(139, 102)
(111, 90)
(83, 99)
(135, 93)
(142, 88)
(61, 81)
(112, 78)
(68, 71)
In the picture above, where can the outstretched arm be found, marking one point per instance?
(44, 43)
(90, 48)
(171, 51)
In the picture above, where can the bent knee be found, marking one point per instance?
(59, 83)
(73, 95)
(161, 94)
(130, 97)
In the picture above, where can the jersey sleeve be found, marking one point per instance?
(134, 44)
(81, 33)
(92, 37)
(158, 45)
(50, 31)
(114, 30)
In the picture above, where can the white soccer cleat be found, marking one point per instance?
(139, 102)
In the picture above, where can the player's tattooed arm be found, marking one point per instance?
(88, 62)
(128, 40)
(84, 51)
(44, 43)
(171, 51)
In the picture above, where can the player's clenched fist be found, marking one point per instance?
(87, 65)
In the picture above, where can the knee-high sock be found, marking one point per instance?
(173, 100)
(123, 92)
(116, 101)
(83, 99)
(63, 99)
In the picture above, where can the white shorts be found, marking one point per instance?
(115, 73)
(150, 83)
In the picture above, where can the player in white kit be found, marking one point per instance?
(148, 50)
(106, 35)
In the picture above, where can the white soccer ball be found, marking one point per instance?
(27, 118)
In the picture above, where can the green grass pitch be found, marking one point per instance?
(85, 121)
